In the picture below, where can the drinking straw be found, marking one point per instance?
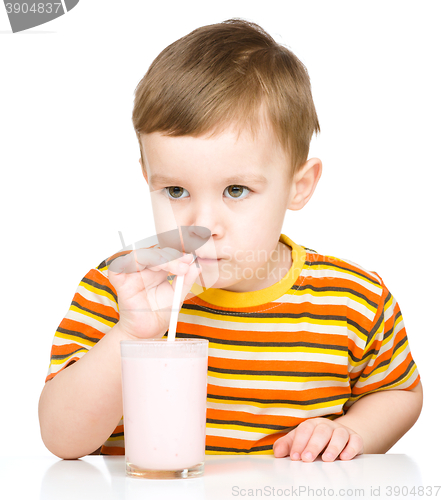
(175, 305)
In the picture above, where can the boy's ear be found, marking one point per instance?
(143, 170)
(304, 183)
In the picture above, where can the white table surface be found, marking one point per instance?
(225, 477)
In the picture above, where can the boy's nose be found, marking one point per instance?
(200, 231)
(206, 217)
(194, 237)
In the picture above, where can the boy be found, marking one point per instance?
(308, 353)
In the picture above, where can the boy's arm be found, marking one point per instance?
(373, 424)
(82, 404)
(383, 417)
(80, 407)
(375, 418)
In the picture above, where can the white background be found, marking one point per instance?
(71, 177)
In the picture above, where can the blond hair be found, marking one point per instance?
(224, 74)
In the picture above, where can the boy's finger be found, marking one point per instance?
(320, 437)
(167, 259)
(191, 276)
(120, 264)
(281, 447)
(147, 258)
(189, 279)
(172, 253)
(301, 438)
(337, 443)
(354, 447)
(176, 267)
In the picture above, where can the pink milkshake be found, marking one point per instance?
(164, 405)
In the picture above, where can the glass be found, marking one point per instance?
(164, 406)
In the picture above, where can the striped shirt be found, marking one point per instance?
(308, 346)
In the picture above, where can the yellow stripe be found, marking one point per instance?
(115, 439)
(259, 377)
(98, 291)
(239, 319)
(91, 315)
(313, 349)
(75, 338)
(278, 405)
(389, 303)
(262, 430)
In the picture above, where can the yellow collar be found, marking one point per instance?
(228, 299)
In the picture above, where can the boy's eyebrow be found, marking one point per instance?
(235, 179)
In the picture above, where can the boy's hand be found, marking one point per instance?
(144, 293)
(310, 437)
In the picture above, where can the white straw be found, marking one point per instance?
(175, 308)
(176, 305)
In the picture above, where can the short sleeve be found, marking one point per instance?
(385, 361)
(92, 313)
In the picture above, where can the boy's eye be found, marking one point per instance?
(234, 192)
(175, 192)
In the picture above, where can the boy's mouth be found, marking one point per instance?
(206, 256)
(207, 259)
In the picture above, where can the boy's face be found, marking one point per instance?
(239, 188)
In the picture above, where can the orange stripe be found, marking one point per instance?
(96, 307)
(64, 350)
(245, 335)
(118, 429)
(312, 367)
(305, 395)
(98, 277)
(76, 326)
(227, 442)
(260, 419)
(112, 450)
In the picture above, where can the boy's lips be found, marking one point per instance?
(207, 258)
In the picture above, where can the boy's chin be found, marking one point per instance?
(224, 278)
(214, 279)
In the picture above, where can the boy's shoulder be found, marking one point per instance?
(324, 268)
(340, 275)
(336, 289)
(316, 260)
